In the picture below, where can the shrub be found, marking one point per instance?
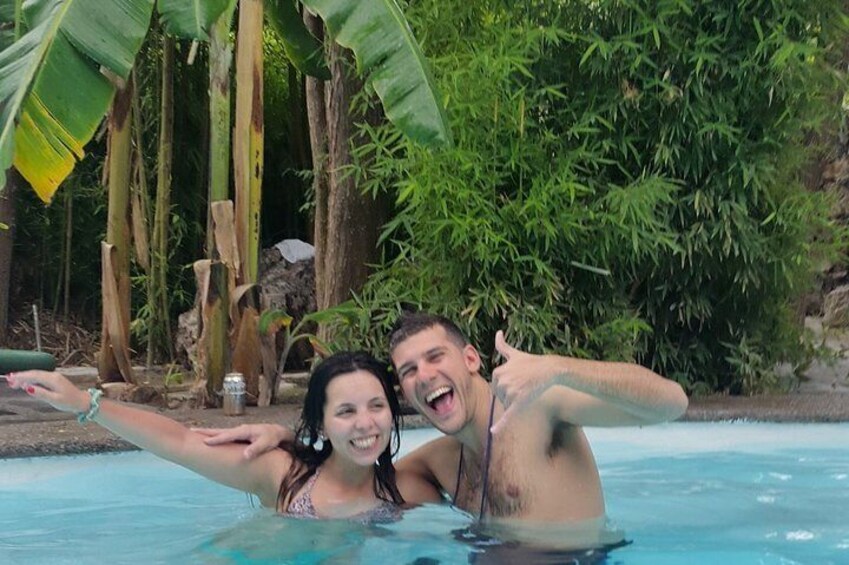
(624, 184)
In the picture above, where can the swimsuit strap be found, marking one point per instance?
(302, 504)
(459, 474)
(487, 456)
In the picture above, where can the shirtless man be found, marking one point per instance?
(514, 450)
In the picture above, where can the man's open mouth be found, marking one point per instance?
(440, 400)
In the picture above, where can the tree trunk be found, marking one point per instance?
(248, 138)
(7, 217)
(220, 59)
(351, 226)
(7, 238)
(115, 344)
(317, 115)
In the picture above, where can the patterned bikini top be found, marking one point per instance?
(302, 507)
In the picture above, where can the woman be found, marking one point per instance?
(340, 466)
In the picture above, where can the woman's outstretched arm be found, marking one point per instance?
(162, 436)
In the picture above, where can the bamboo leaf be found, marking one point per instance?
(52, 92)
(388, 55)
(191, 19)
(303, 49)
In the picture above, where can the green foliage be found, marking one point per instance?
(39, 244)
(271, 322)
(389, 56)
(625, 182)
(304, 50)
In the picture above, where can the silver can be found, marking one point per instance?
(234, 394)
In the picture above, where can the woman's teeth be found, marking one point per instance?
(364, 443)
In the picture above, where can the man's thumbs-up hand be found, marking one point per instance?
(520, 380)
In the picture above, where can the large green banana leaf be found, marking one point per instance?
(388, 55)
(7, 23)
(52, 92)
(302, 48)
(191, 19)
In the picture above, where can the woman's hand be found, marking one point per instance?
(262, 437)
(52, 388)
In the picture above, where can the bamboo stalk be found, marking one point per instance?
(158, 296)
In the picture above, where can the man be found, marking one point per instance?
(515, 449)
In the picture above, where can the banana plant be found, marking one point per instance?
(58, 79)
(53, 93)
(10, 22)
(271, 322)
(387, 55)
(45, 122)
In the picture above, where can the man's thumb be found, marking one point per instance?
(502, 346)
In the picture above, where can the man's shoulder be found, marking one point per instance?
(441, 446)
(434, 453)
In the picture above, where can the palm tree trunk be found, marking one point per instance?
(216, 355)
(248, 137)
(116, 308)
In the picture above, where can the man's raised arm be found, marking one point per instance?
(583, 392)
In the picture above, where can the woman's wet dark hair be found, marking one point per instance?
(304, 449)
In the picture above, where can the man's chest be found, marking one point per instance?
(508, 488)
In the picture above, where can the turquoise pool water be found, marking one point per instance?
(723, 493)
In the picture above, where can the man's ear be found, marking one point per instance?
(472, 358)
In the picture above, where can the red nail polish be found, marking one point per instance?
(30, 389)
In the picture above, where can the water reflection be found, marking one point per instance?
(424, 536)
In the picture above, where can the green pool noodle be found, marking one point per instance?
(12, 360)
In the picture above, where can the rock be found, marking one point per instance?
(115, 391)
(188, 332)
(142, 394)
(289, 393)
(289, 286)
(836, 307)
(138, 394)
(295, 250)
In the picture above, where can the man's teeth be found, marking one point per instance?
(437, 393)
(364, 443)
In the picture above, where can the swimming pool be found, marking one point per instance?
(722, 493)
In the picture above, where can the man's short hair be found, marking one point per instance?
(411, 323)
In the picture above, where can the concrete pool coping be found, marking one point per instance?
(46, 432)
